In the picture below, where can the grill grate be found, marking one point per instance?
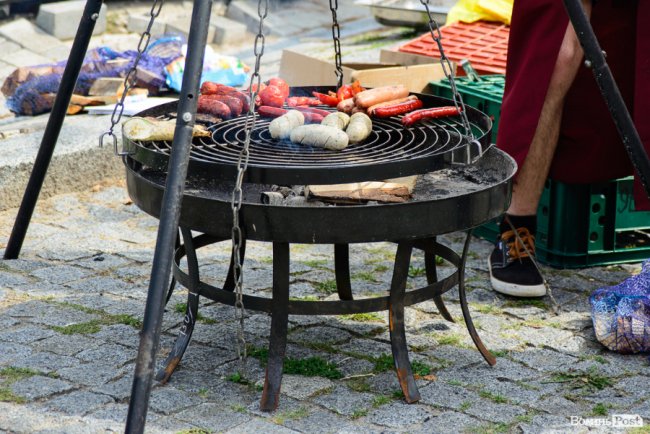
(390, 151)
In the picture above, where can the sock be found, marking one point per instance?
(518, 221)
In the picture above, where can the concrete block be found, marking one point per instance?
(24, 57)
(227, 31)
(61, 19)
(7, 47)
(139, 23)
(181, 26)
(29, 36)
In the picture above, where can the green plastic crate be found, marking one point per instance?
(582, 225)
(485, 95)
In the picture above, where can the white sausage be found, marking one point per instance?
(320, 136)
(359, 128)
(281, 127)
(337, 120)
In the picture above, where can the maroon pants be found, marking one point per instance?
(589, 148)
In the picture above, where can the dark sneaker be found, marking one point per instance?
(512, 270)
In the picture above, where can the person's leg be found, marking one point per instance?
(512, 271)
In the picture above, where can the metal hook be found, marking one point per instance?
(114, 137)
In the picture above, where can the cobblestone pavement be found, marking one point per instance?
(72, 305)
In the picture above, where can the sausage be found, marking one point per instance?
(359, 127)
(282, 127)
(320, 136)
(374, 96)
(346, 106)
(302, 100)
(210, 88)
(372, 108)
(312, 118)
(337, 120)
(214, 107)
(429, 113)
(234, 104)
(398, 109)
(271, 112)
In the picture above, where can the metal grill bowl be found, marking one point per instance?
(390, 151)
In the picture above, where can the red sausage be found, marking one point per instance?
(312, 118)
(209, 87)
(397, 109)
(270, 112)
(430, 113)
(234, 104)
(321, 112)
(302, 100)
(214, 107)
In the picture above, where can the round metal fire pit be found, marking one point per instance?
(451, 200)
(390, 151)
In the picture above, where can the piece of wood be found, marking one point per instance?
(106, 86)
(392, 190)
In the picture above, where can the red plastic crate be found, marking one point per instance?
(484, 44)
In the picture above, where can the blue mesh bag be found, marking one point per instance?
(621, 314)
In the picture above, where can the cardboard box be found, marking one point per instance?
(298, 69)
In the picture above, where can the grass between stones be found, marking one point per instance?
(590, 380)
(326, 286)
(95, 325)
(499, 399)
(525, 302)
(599, 409)
(385, 363)
(308, 367)
(281, 417)
(416, 271)
(9, 376)
(363, 317)
(182, 307)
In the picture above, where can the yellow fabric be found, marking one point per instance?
(469, 11)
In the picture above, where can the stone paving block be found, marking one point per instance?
(212, 417)
(322, 421)
(111, 354)
(61, 19)
(13, 352)
(29, 36)
(442, 394)
(551, 424)
(257, 426)
(167, 400)
(63, 274)
(120, 389)
(114, 412)
(138, 24)
(46, 362)
(181, 26)
(7, 47)
(10, 280)
(77, 402)
(37, 387)
(101, 285)
(448, 422)
(399, 415)
(227, 31)
(321, 335)
(299, 387)
(25, 335)
(345, 401)
(25, 57)
(92, 374)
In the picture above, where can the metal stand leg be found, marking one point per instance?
(279, 322)
(463, 305)
(609, 90)
(53, 128)
(396, 322)
(432, 275)
(169, 218)
(191, 311)
(172, 284)
(342, 271)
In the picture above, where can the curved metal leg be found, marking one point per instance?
(396, 322)
(432, 275)
(229, 284)
(172, 284)
(279, 320)
(185, 334)
(463, 305)
(342, 271)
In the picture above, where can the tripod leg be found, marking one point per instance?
(169, 218)
(53, 128)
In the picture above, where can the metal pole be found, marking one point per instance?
(596, 59)
(53, 128)
(169, 218)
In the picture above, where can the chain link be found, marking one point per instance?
(129, 79)
(237, 193)
(336, 36)
(448, 71)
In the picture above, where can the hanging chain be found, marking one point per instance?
(336, 36)
(237, 193)
(129, 79)
(447, 69)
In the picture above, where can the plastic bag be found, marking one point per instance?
(621, 314)
(217, 68)
(469, 11)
